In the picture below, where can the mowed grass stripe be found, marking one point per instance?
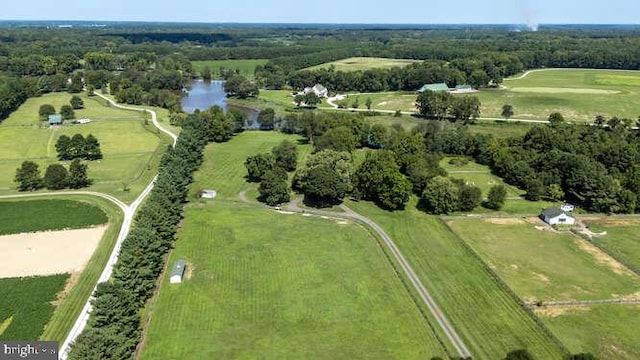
(277, 286)
(223, 168)
(489, 320)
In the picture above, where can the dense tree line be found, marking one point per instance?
(78, 147)
(56, 176)
(12, 95)
(113, 329)
(271, 170)
(440, 105)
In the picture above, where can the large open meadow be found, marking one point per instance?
(578, 94)
(489, 320)
(621, 239)
(268, 284)
(364, 63)
(45, 307)
(130, 146)
(543, 265)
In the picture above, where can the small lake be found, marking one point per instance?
(205, 94)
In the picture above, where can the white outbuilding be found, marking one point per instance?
(177, 272)
(208, 194)
(557, 216)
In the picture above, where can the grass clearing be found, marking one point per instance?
(274, 285)
(25, 305)
(246, 67)
(478, 175)
(621, 239)
(364, 63)
(564, 266)
(489, 320)
(608, 332)
(131, 146)
(41, 215)
(579, 94)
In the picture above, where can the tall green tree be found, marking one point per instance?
(465, 109)
(339, 138)
(76, 102)
(440, 196)
(62, 145)
(496, 197)
(274, 189)
(28, 176)
(311, 99)
(326, 177)
(286, 155)
(46, 110)
(67, 112)
(259, 165)
(92, 149)
(507, 111)
(267, 119)
(78, 177)
(56, 177)
(379, 179)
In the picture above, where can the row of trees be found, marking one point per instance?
(113, 328)
(78, 147)
(441, 104)
(12, 95)
(56, 176)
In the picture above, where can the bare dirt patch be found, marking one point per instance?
(540, 277)
(555, 311)
(603, 258)
(188, 274)
(504, 221)
(48, 253)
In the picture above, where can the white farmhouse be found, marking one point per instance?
(557, 216)
(317, 89)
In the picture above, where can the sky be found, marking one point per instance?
(333, 11)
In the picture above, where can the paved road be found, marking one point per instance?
(424, 294)
(128, 211)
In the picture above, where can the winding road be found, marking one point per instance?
(424, 294)
(128, 211)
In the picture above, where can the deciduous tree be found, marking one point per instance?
(46, 110)
(496, 197)
(28, 176)
(56, 177)
(67, 112)
(76, 102)
(286, 155)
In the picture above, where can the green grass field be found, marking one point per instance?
(562, 268)
(25, 305)
(40, 215)
(245, 66)
(621, 239)
(488, 319)
(266, 285)
(579, 95)
(609, 332)
(364, 63)
(131, 149)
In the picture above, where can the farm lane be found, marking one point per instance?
(424, 294)
(129, 212)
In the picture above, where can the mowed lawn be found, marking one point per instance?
(607, 331)
(130, 148)
(273, 286)
(489, 320)
(579, 95)
(545, 265)
(223, 169)
(246, 67)
(364, 63)
(621, 238)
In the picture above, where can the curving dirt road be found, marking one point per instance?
(424, 294)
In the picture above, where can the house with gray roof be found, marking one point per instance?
(434, 87)
(557, 216)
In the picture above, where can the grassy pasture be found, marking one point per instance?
(223, 168)
(130, 147)
(364, 63)
(40, 215)
(621, 239)
(488, 319)
(579, 95)
(609, 332)
(245, 66)
(478, 175)
(25, 305)
(544, 265)
(270, 285)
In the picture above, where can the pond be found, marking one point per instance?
(205, 94)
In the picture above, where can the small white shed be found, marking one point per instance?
(208, 194)
(557, 216)
(177, 272)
